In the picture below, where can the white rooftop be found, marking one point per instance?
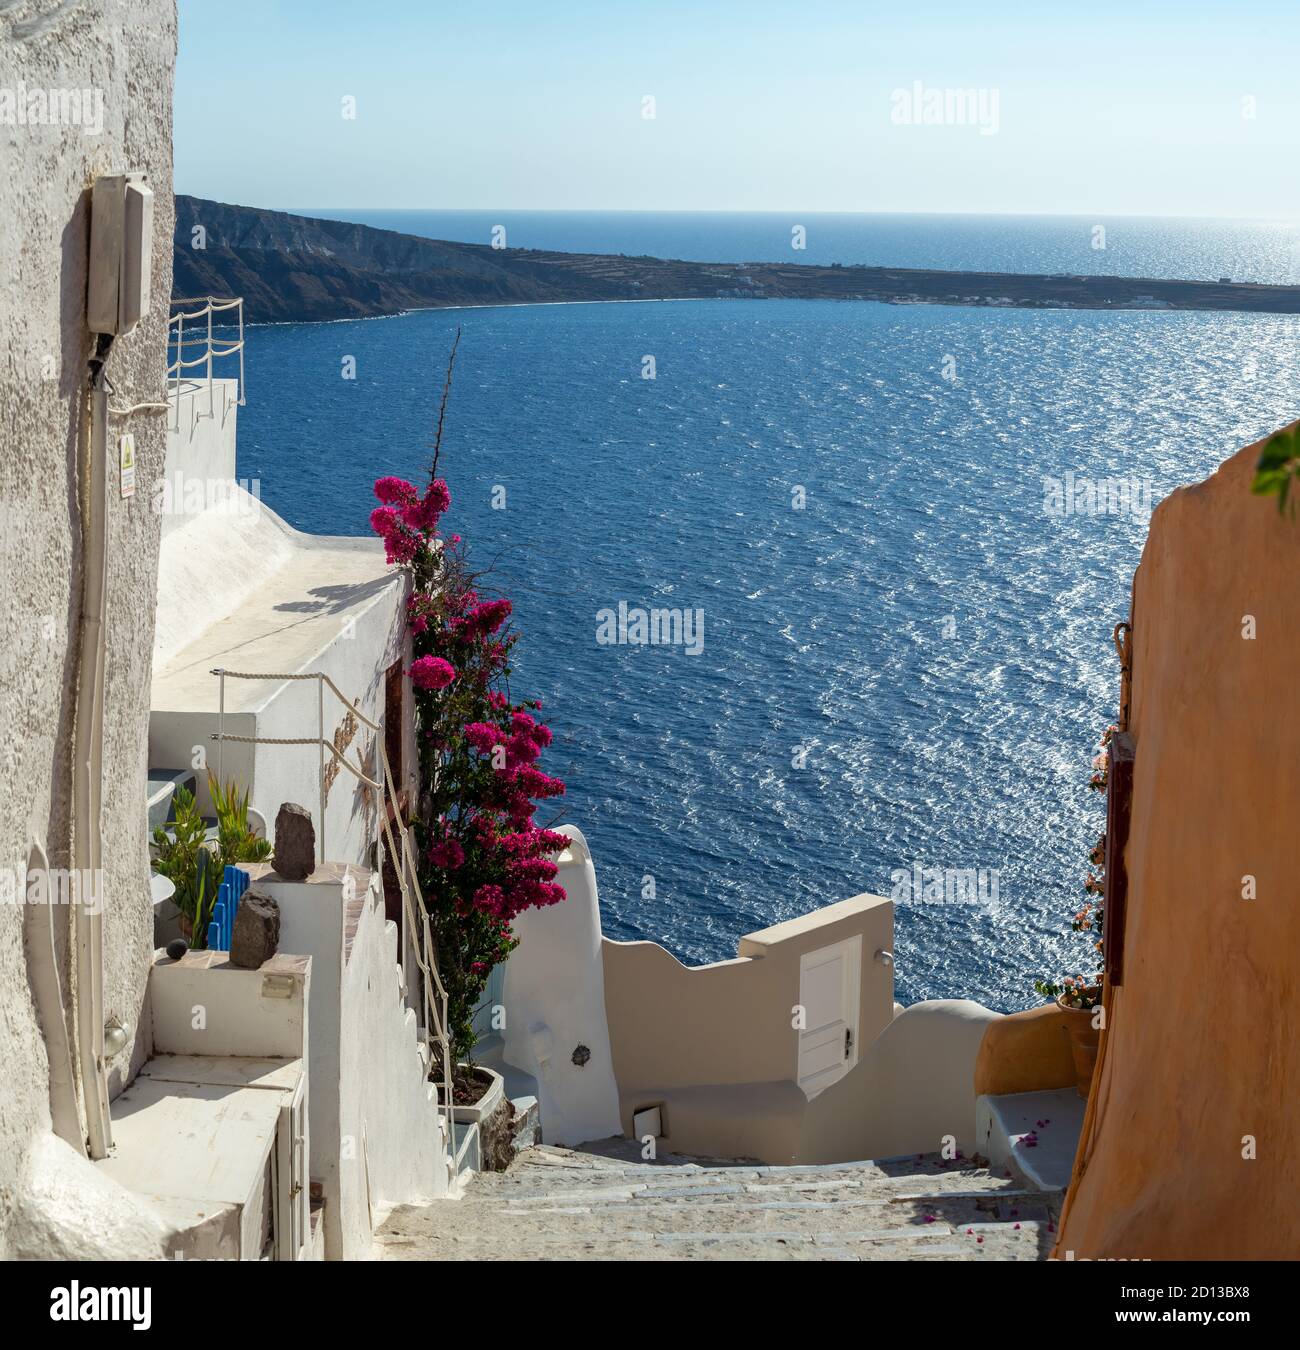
(253, 594)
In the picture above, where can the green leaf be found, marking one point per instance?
(1278, 464)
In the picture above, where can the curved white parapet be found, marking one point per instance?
(65, 1208)
(554, 997)
(913, 1090)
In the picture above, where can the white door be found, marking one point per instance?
(829, 983)
(292, 1225)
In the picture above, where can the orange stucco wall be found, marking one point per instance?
(1200, 1050)
(1025, 1052)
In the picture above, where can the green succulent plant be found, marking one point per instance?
(194, 864)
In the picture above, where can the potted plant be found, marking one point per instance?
(1079, 1002)
(180, 854)
(194, 863)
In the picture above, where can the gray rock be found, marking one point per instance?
(295, 843)
(496, 1138)
(256, 934)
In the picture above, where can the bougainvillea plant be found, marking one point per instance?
(1079, 991)
(482, 858)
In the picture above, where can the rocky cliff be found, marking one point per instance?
(292, 268)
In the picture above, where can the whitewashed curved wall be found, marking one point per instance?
(913, 1090)
(554, 996)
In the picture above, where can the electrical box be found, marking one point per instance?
(121, 249)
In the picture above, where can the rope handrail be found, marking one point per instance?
(181, 364)
(415, 913)
(201, 341)
(301, 675)
(338, 755)
(210, 348)
(209, 306)
(299, 740)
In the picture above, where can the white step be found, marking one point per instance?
(1035, 1134)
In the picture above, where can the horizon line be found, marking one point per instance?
(778, 211)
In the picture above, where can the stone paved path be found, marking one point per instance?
(604, 1203)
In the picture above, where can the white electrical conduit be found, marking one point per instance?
(47, 991)
(88, 771)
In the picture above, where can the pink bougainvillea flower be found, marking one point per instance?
(395, 491)
(447, 854)
(384, 519)
(423, 513)
(400, 543)
(490, 899)
(438, 496)
(483, 619)
(533, 869)
(482, 736)
(538, 784)
(521, 750)
(431, 672)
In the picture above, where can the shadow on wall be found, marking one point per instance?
(911, 1092)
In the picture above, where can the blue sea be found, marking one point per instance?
(906, 656)
(1246, 250)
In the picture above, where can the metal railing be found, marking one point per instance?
(209, 346)
(417, 937)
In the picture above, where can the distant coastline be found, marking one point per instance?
(293, 268)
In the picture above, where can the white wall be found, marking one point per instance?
(126, 53)
(389, 1109)
(913, 1089)
(376, 1137)
(201, 432)
(554, 996)
(356, 663)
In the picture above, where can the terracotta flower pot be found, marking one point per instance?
(1084, 1039)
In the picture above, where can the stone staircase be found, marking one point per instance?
(604, 1203)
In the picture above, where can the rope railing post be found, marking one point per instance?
(241, 352)
(221, 726)
(320, 693)
(180, 345)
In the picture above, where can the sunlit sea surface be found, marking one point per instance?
(912, 668)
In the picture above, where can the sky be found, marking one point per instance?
(1172, 109)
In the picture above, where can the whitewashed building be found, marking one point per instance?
(159, 1107)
